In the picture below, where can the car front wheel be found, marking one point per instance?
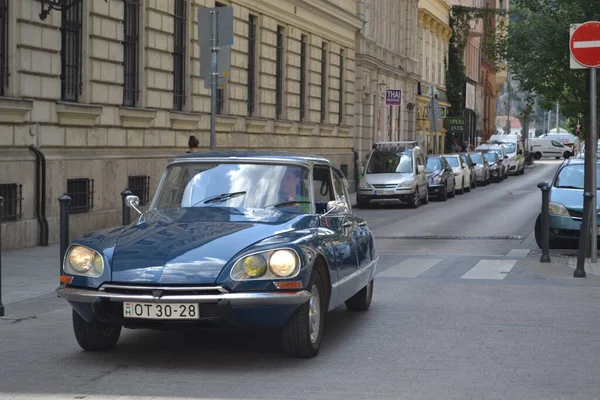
(302, 334)
(93, 336)
(361, 300)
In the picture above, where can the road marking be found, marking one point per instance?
(410, 268)
(490, 269)
(518, 253)
(587, 44)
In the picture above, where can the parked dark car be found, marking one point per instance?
(231, 239)
(440, 177)
(496, 171)
(466, 158)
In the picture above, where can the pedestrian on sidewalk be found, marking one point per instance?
(193, 144)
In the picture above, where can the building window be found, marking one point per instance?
(502, 4)
(131, 57)
(433, 56)
(70, 54)
(220, 100)
(440, 61)
(3, 46)
(427, 47)
(140, 186)
(323, 82)
(81, 192)
(342, 88)
(303, 43)
(279, 74)
(420, 49)
(251, 64)
(12, 194)
(179, 39)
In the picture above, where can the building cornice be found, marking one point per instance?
(433, 23)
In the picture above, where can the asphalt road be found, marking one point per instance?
(456, 314)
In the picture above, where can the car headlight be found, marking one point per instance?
(81, 260)
(274, 264)
(405, 184)
(558, 209)
(364, 185)
(437, 179)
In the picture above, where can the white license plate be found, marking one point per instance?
(160, 311)
(385, 192)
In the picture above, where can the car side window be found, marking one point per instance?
(322, 188)
(420, 159)
(338, 184)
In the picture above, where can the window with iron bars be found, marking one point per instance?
(279, 74)
(220, 100)
(251, 64)
(140, 186)
(81, 192)
(131, 47)
(179, 69)
(342, 88)
(323, 82)
(303, 41)
(12, 194)
(70, 54)
(3, 46)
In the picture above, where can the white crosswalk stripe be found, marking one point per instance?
(410, 268)
(490, 269)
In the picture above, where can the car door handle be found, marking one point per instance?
(347, 224)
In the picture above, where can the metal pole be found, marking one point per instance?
(557, 116)
(126, 213)
(213, 81)
(545, 257)
(593, 168)
(583, 237)
(65, 203)
(1, 214)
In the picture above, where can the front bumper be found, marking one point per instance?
(563, 227)
(386, 195)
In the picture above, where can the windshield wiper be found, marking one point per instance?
(569, 187)
(219, 198)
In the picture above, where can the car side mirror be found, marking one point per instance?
(420, 169)
(133, 201)
(335, 207)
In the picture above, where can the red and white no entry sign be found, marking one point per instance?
(585, 44)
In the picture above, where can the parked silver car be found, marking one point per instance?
(395, 172)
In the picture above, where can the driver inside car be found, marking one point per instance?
(289, 191)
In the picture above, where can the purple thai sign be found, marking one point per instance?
(393, 97)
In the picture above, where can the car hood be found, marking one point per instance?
(193, 245)
(572, 199)
(387, 179)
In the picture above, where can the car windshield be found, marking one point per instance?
(385, 163)
(434, 164)
(573, 177)
(490, 157)
(510, 147)
(453, 161)
(499, 152)
(200, 184)
(476, 158)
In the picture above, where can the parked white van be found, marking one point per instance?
(568, 139)
(543, 147)
(513, 145)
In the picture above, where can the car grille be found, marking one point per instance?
(385, 186)
(150, 290)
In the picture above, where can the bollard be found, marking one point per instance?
(545, 188)
(583, 235)
(126, 216)
(65, 203)
(1, 214)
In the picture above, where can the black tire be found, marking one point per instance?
(415, 202)
(361, 300)
(94, 336)
(537, 155)
(467, 189)
(296, 334)
(452, 194)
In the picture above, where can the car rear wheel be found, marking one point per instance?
(93, 336)
(301, 336)
(467, 188)
(361, 300)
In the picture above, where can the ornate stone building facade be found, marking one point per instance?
(108, 91)
(433, 37)
(386, 59)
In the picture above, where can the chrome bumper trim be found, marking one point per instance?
(236, 299)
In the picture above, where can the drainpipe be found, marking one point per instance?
(40, 194)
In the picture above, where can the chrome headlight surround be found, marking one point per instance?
(558, 209)
(282, 263)
(436, 179)
(83, 261)
(364, 185)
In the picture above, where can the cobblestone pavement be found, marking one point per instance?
(462, 310)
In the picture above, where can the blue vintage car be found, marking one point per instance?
(566, 205)
(230, 239)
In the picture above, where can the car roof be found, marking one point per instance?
(256, 155)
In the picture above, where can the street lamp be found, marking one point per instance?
(58, 5)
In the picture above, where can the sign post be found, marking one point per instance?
(585, 51)
(215, 33)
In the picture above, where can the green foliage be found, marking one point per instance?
(538, 51)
